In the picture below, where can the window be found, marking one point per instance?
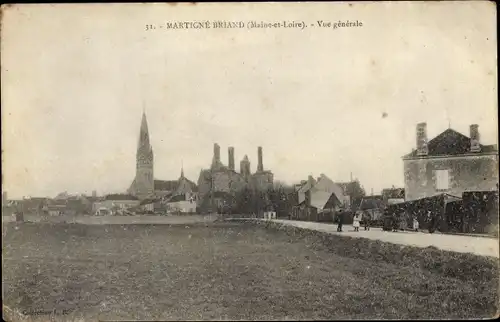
(442, 180)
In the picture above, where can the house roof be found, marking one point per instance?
(57, 202)
(306, 186)
(167, 185)
(92, 199)
(172, 185)
(436, 198)
(451, 142)
(190, 183)
(393, 193)
(371, 202)
(149, 201)
(323, 187)
(326, 184)
(40, 199)
(76, 203)
(120, 197)
(319, 199)
(177, 198)
(33, 202)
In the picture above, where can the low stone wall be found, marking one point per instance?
(122, 220)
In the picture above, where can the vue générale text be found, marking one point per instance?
(253, 24)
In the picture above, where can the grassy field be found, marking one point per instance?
(234, 271)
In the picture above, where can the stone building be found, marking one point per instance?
(451, 163)
(144, 186)
(224, 181)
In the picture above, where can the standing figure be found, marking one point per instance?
(415, 223)
(387, 220)
(395, 221)
(403, 221)
(340, 218)
(356, 221)
(430, 221)
(367, 218)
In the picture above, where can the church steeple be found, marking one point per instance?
(144, 149)
(245, 167)
(182, 170)
(143, 185)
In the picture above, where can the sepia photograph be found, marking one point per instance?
(250, 161)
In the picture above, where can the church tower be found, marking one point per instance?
(245, 168)
(144, 178)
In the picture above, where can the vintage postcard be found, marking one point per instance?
(249, 161)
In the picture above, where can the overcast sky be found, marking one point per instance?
(75, 80)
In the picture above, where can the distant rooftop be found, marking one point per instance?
(120, 197)
(451, 142)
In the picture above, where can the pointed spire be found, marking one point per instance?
(144, 148)
(144, 132)
(182, 169)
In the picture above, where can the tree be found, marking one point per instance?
(245, 201)
(355, 190)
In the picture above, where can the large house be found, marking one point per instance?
(318, 198)
(450, 163)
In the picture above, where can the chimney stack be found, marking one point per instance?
(474, 138)
(216, 153)
(230, 152)
(422, 148)
(260, 165)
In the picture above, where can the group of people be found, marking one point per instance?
(399, 221)
(395, 221)
(356, 221)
